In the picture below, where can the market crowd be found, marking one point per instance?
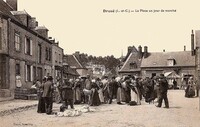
(96, 91)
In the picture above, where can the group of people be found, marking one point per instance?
(192, 88)
(45, 95)
(95, 91)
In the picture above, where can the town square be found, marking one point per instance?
(66, 64)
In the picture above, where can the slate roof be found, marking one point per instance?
(159, 59)
(72, 61)
(41, 27)
(6, 9)
(132, 58)
(71, 71)
(128, 54)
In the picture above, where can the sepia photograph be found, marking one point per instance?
(99, 63)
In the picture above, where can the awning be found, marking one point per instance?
(171, 74)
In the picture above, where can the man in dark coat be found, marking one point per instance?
(47, 94)
(67, 95)
(162, 91)
(111, 86)
(41, 104)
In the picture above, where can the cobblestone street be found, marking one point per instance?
(183, 112)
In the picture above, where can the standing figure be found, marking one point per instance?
(175, 84)
(111, 86)
(162, 89)
(67, 95)
(47, 94)
(190, 90)
(41, 104)
(105, 89)
(95, 101)
(77, 91)
(135, 95)
(87, 89)
(100, 89)
(120, 91)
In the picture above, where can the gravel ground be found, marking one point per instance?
(183, 112)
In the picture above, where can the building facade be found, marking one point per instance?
(26, 53)
(180, 64)
(57, 61)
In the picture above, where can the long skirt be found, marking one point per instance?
(41, 105)
(135, 95)
(95, 101)
(77, 95)
(120, 95)
(101, 95)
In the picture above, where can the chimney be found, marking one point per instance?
(145, 51)
(32, 23)
(43, 31)
(192, 44)
(77, 54)
(36, 23)
(140, 51)
(13, 4)
(184, 48)
(130, 49)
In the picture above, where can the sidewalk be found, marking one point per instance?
(15, 105)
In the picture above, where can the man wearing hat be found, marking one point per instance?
(47, 94)
(162, 91)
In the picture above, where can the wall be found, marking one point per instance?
(4, 37)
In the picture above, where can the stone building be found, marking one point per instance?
(180, 64)
(57, 61)
(195, 47)
(130, 65)
(25, 50)
(73, 62)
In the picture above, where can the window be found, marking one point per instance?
(60, 60)
(28, 46)
(133, 65)
(39, 53)
(17, 41)
(34, 73)
(170, 62)
(48, 54)
(17, 69)
(29, 73)
(56, 57)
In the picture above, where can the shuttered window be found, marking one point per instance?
(28, 46)
(17, 41)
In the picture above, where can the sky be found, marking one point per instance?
(84, 26)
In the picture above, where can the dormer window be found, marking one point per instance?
(170, 61)
(133, 65)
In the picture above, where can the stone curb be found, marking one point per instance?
(15, 110)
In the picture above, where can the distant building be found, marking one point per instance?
(148, 64)
(130, 65)
(57, 61)
(182, 62)
(96, 70)
(74, 63)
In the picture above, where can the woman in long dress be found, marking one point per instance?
(135, 95)
(95, 101)
(100, 90)
(120, 91)
(190, 90)
(77, 92)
